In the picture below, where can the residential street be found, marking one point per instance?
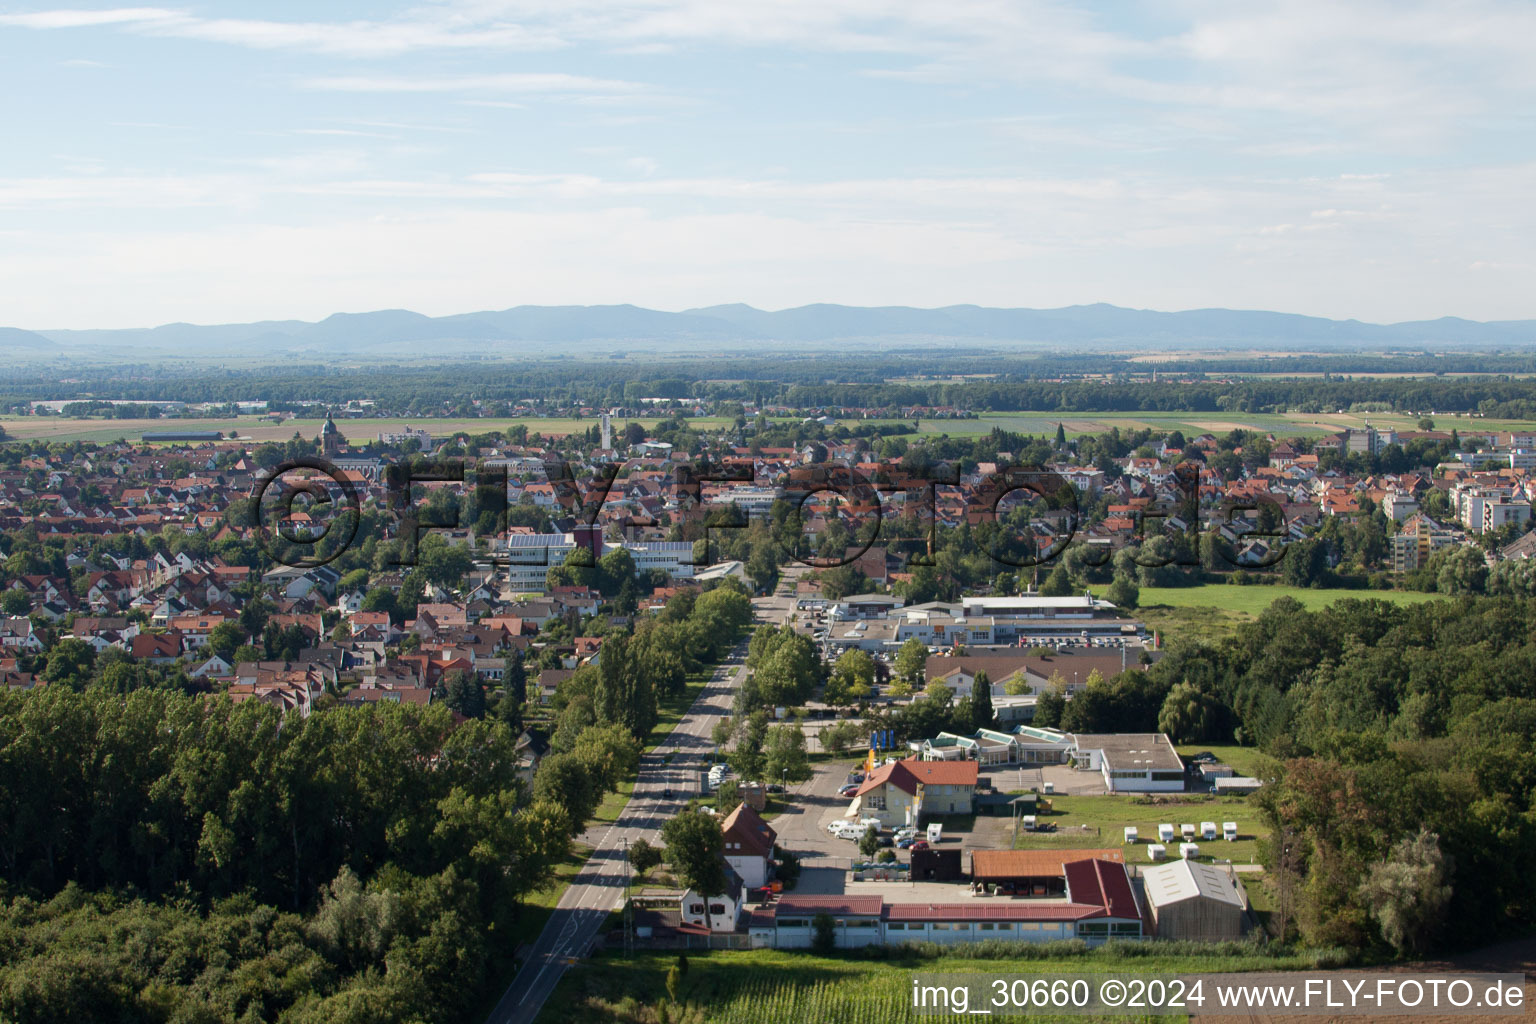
(599, 888)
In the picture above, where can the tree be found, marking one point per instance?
(566, 781)
(694, 849)
(823, 934)
(727, 796)
(911, 664)
(1058, 583)
(839, 736)
(1408, 894)
(609, 752)
(442, 562)
(674, 982)
(748, 758)
(869, 842)
(69, 663)
(643, 856)
(380, 599)
(464, 693)
(1123, 592)
(852, 679)
(1061, 436)
(1190, 715)
(982, 715)
(15, 602)
(224, 638)
(786, 757)
(1017, 685)
(514, 681)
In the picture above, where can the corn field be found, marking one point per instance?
(779, 1001)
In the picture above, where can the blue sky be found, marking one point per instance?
(240, 161)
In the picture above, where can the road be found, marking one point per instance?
(599, 887)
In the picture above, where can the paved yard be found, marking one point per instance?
(1064, 778)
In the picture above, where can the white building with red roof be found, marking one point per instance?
(1097, 904)
(901, 792)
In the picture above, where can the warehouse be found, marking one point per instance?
(1190, 900)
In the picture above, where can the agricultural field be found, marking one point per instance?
(261, 428)
(1106, 816)
(1039, 423)
(765, 986)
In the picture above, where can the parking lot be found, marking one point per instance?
(816, 805)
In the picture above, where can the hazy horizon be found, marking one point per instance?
(174, 165)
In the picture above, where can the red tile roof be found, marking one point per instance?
(908, 774)
(1032, 863)
(853, 906)
(1104, 884)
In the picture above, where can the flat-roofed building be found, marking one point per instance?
(1132, 762)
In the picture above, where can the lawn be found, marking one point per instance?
(1107, 815)
(1244, 760)
(1254, 599)
(765, 986)
(1215, 610)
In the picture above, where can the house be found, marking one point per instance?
(715, 913)
(901, 792)
(748, 845)
(1192, 900)
(16, 633)
(156, 648)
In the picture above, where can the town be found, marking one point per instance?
(868, 689)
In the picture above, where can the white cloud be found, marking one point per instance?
(87, 19)
(513, 82)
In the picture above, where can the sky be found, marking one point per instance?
(244, 161)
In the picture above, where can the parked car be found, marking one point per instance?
(848, 790)
(667, 793)
(906, 841)
(887, 841)
(919, 844)
(774, 787)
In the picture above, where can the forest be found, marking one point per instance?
(968, 379)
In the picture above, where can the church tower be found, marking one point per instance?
(330, 437)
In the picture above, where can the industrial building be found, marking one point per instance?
(1189, 899)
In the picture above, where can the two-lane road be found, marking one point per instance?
(599, 888)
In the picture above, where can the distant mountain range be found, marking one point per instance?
(544, 330)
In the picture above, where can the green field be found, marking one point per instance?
(765, 986)
(1214, 611)
(1252, 600)
(1107, 815)
(261, 428)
